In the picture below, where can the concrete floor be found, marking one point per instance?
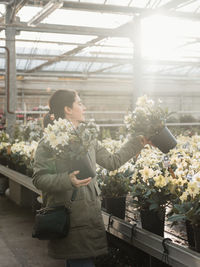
(17, 247)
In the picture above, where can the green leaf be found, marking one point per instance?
(175, 218)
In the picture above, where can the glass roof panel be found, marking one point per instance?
(118, 69)
(27, 12)
(162, 36)
(109, 53)
(92, 1)
(119, 3)
(117, 41)
(164, 39)
(87, 19)
(42, 48)
(76, 66)
(145, 3)
(54, 36)
(27, 64)
(190, 7)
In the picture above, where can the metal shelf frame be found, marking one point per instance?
(178, 256)
(150, 243)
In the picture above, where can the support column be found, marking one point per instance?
(137, 61)
(11, 90)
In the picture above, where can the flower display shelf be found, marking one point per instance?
(19, 178)
(21, 187)
(178, 256)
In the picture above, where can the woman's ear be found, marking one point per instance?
(68, 110)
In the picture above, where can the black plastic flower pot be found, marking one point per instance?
(196, 229)
(164, 140)
(3, 184)
(190, 234)
(153, 221)
(84, 166)
(3, 160)
(103, 203)
(116, 206)
(21, 168)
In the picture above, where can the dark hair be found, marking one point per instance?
(59, 100)
(47, 119)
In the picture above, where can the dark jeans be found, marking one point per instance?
(80, 263)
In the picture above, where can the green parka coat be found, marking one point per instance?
(87, 236)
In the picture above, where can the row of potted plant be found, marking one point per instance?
(154, 180)
(158, 182)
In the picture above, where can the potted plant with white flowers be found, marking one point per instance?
(21, 157)
(149, 119)
(64, 139)
(187, 208)
(152, 189)
(115, 185)
(4, 144)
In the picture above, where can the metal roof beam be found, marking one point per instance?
(59, 58)
(122, 29)
(77, 75)
(19, 4)
(105, 59)
(69, 29)
(126, 10)
(72, 58)
(66, 43)
(176, 3)
(94, 7)
(107, 68)
(49, 8)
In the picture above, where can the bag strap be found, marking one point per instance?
(74, 193)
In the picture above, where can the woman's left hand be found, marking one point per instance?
(77, 182)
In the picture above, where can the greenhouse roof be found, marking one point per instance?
(100, 38)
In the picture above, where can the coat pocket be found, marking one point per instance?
(79, 214)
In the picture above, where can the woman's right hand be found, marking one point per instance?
(77, 182)
(144, 141)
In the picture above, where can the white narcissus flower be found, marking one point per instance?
(143, 101)
(180, 181)
(196, 179)
(146, 173)
(113, 173)
(25, 148)
(4, 144)
(112, 145)
(128, 119)
(193, 189)
(62, 136)
(184, 196)
(160, 181)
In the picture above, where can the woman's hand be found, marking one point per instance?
(77, 182)
(144, 141)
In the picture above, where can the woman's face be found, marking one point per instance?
(76, 113)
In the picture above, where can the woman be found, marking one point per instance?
(86, 239)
